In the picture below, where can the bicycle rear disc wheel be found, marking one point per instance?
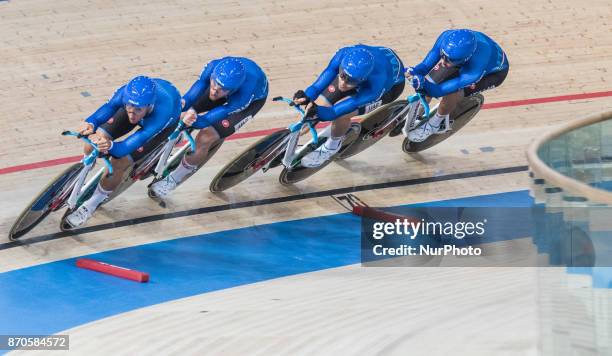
(371, 127)
(463, 113)
(249, 161)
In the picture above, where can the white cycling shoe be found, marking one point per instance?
(407, 128)
(422, 133)
(164, 187)
(79, 217)
(319, 156)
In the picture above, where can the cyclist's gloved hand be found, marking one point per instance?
(410, 72)
(300, 98)
(103, 143)
(189, 117)
(311, 112)
(86, 129)
(418, 82)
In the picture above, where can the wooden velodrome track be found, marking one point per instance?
(62, 59)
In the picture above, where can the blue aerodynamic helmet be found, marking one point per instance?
(458, 46)
(139, 92)
(357, 64)
(230, 73)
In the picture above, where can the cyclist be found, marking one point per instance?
(461, 63)
(357, 80)
(152, 105)
(229, 92)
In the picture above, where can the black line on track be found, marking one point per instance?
(251, 203)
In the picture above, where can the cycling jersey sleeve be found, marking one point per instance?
(326, 77)
(200, 86)
(330, 113)
(236, 103)
(155, 124)
(107, 110)
(431, 59)
(452, 85)
(352, 103)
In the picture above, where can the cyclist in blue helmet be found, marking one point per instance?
(229, 74)
(139, 92)
(151, 105)
(461, 63)
(357, 65)
(229, 92)
(357, 80)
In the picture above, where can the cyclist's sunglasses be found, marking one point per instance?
(219, 86)
(447, 59)
(347, 79)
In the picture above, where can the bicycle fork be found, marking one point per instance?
(413, 116)
(291, 151)
(76, 192)
(163, 160)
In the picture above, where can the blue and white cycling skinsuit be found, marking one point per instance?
(227, 115)
(486, 69)
(383, 85)
(155, 127)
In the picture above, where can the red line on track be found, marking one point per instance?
(42, 164)
(242, 135)
(552, 99)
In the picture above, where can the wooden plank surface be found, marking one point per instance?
(61, 60)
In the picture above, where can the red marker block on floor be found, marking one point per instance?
(113, 270)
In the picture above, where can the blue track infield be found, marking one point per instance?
(52, 297)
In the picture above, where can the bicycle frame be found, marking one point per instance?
(162, 163)
(292, 140)
(88, 163)
(420, 96)
(398, 117)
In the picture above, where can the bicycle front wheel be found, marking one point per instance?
(51, 198)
